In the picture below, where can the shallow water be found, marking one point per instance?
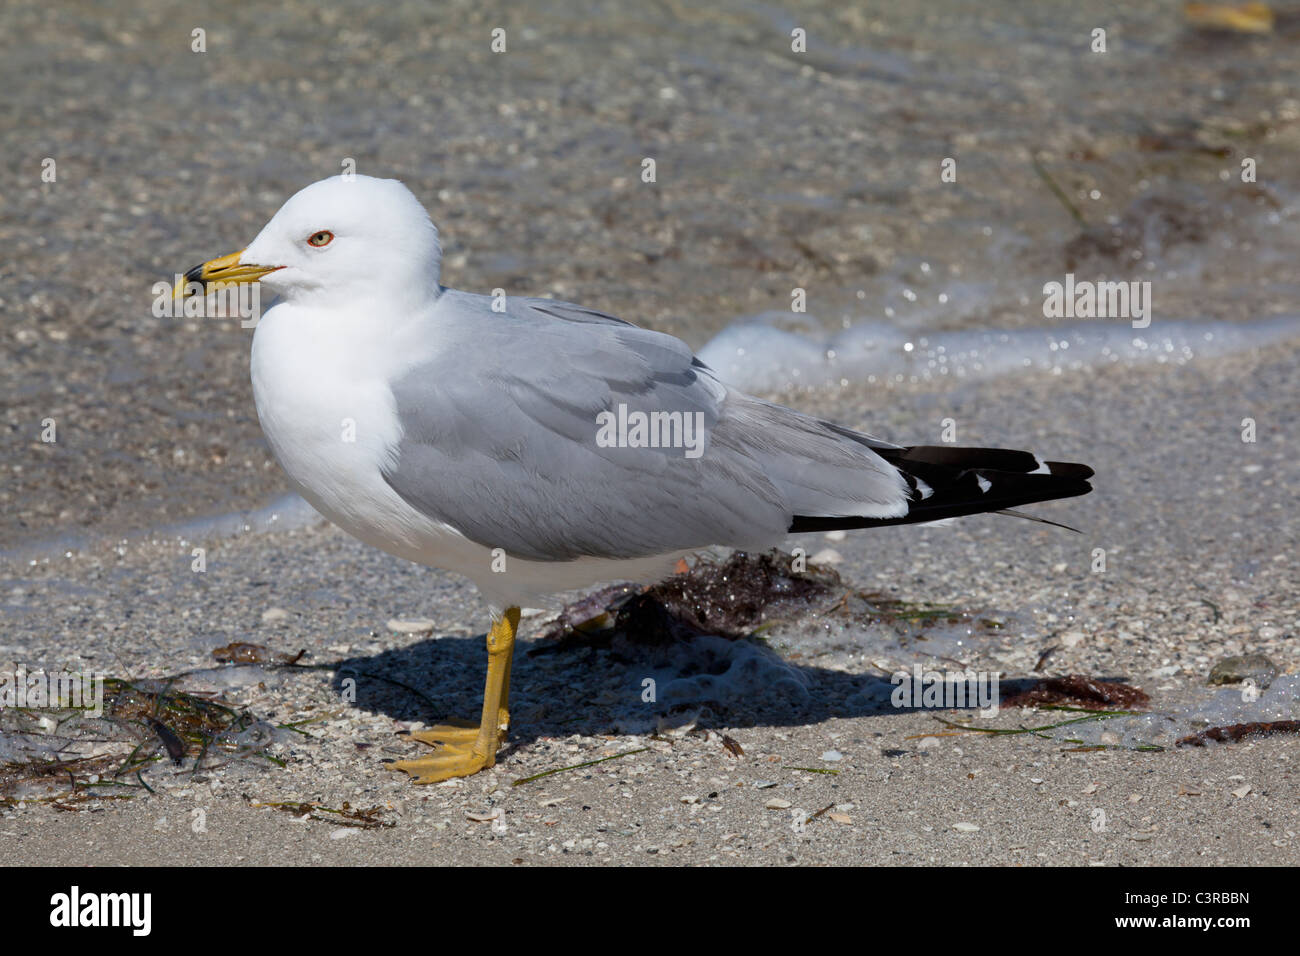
(759, 355)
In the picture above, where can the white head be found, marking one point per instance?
(343, 237)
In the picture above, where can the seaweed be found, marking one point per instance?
(1086, 693)
(142, 722)
(1233, 733)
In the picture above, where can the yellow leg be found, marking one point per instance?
(503, 713)
(464, 750)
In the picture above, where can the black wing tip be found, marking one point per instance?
(961, 508)
(1069, 469)
(965, 481)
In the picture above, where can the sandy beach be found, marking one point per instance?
(776, 172)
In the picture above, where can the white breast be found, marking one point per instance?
(328, 414)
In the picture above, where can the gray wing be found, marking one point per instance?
(502, 439)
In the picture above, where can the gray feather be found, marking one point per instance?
(500, 428)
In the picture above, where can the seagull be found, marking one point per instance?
(536, 446)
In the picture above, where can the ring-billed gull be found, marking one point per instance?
(536, 446)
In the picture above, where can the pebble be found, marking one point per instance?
(416, 625)
(273, 615)
(965, 827)
(776, 803)
(1235, 670)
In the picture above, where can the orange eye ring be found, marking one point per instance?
(319, 239)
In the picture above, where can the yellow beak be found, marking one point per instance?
(227, 270)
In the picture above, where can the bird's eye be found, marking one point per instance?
(322, 238)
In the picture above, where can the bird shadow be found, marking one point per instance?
(609, 684)
(701, 648)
